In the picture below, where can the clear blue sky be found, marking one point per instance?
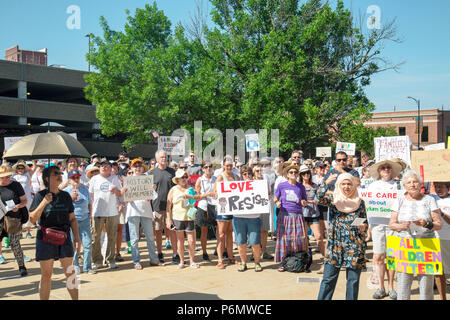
(423, 26)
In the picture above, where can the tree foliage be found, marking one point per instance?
(297, 66)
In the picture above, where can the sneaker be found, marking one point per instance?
(175, 259)
(91, 271)
(26, 259)
(2, 259)
(96, 266)
(379, 294)
(266, 256)
(392, 294)
(168, 245)
(29, 236)
(161, 257)
(118, 258)
(23, 271)
(225, 255)
(206, 257)
(113, 265)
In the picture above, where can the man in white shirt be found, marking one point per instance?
(105, 189)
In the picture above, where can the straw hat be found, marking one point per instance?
(5, 171)
(396, 168)
(304, 168)
(180, 173)
(401, 162)
(90, 172)
(289, 167)
(21, 163)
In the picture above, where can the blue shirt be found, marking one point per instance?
(82, 205)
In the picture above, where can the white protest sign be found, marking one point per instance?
(393, 147)
(243, 197)
(323, 152)
(378, 203)
(139, 188)
(436, 146)
(172, 145)
(347, 147)
(9, 141)
(252, 142)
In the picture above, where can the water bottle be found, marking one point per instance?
(129, 247)
(6, 242)
(191, 191)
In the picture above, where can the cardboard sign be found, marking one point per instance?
(436, 164)
(378, 204)
(323, 152)
(393, 147)
(173, 145)
(139, 188)
(347, 147)
(252, 142)
(414, 256)
(243, 197)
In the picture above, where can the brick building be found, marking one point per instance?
(436, 124)
(27, 56)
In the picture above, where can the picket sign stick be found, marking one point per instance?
(422, 190)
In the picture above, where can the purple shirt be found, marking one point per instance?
(290, 196)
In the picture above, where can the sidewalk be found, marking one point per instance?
(168, 282)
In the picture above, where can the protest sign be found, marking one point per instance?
(378, 203)
(173, 146)
(393, 147)
(243, 197)
(323, 152)
(414, 256)
(9, 141)
(347, 147)
(139, 188)
(436, 164)
(436, 146)
(252, 142)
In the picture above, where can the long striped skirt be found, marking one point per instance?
(291, 235)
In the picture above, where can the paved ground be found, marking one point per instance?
(167, 282)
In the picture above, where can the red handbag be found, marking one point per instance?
(53, 236)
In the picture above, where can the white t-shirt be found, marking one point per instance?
(139, 208)
(105, 202)
(412, 210)
(206, 186)
(24, 180)
(444, 205)
(36, 183)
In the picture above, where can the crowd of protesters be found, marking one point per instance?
(311, 200)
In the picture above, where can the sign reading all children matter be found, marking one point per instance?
(414, 256)
(138, 188)
(378, 203)
(243, 197)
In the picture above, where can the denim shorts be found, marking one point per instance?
(45, 251)
(187, 226)
(314, 220)
(220, 217)
(250, 227)
(206, 218)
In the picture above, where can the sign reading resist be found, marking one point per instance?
(243, 197)
(139, 188)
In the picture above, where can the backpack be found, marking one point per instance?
(297, 262)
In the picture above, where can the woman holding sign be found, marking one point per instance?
(290, 196)
(415, 216)
(346, 239)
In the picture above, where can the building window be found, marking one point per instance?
(448, 131)
(425, 134)
(402, 131)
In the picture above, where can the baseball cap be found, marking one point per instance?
(73, 173)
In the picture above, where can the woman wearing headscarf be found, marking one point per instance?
(346, 239)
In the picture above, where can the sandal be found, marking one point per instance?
(232, 261)
(258, 267)
(194, 265)
(220, 265)
(181, 266)
(281, 269)
(138, 266)
(242, 267)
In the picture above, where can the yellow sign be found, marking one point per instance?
(436, 164)
(414, 256)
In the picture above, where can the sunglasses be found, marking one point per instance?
(57, 173)
(183, 167)
(306, 172)
(385, 168)
(184, 177)
(207, 167)
(20, 168)
(340, 160)
(293, 172)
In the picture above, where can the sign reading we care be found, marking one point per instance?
(243, 197)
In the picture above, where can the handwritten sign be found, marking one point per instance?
(252, 142)
(378, 203)
(414, 256)
(243, 197)
(393, 147)
(172, 145)
(323, 152)
(436, 164)
(139, 188)
(347, 147)
(9, 141)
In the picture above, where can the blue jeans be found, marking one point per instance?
(84, 229)
(330, 277)
(247, 230)
(147, 225)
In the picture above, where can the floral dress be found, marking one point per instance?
(346, 244)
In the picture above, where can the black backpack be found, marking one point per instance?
(297, 262)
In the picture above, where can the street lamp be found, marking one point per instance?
(418, 120)
(89, 35)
